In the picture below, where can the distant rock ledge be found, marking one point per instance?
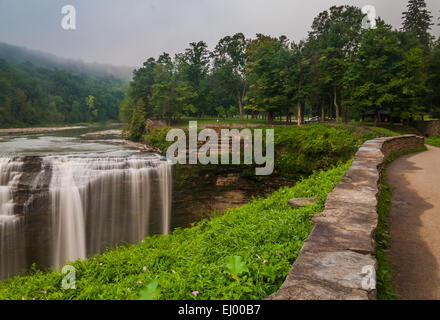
(127, 143)
(107, 134)
(19, 131)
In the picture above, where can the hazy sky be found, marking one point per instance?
(127, 32)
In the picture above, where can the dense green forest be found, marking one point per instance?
(343, 70)
(31, 95)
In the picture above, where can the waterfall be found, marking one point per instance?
(166, 187)
(67, 215)
(86, 203)
(11, 225)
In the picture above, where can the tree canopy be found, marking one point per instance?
(31, 95)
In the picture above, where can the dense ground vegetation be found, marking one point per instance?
(433, 141)
(31, 95)
(225, 257)
(298, 150)
(342, 70)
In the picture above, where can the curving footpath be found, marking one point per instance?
(415, 224)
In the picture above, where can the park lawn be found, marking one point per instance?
(393, 129)
(433, 141)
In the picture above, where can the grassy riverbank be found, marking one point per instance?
(266, 234)
(298, 150)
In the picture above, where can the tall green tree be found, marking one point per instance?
(267, 74)
(299, 87)
(433, 98)
(388, 75)
(336, 34)
(193, 66)
(418, 19)
(171, 95)
(229, 66)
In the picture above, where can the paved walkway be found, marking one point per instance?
(415, 224)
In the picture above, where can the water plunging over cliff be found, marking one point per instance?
(72, 206)
(11, 226)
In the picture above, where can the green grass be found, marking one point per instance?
(384, 131)
(244, 254)
(433, 141)
(384, 273)
(393, 129)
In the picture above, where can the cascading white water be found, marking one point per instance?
(166, 189)
(79, 205)
(11, 235)
(69, 238)
(99, 202)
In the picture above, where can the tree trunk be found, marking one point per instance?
(375, 118)
(240, 105)
(322, 113)
(270, 117)
(335, 101)
(344, 110)
(330, 109)
(299, 116)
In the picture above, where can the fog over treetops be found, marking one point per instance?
(127, 32)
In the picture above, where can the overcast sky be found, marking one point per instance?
(127, 32)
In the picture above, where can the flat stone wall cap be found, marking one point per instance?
(342, 268)
(344, 193)
(301, 289)
(327, 237)
(353, 219)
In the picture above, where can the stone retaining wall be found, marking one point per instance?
(331, 264)
(428, 128)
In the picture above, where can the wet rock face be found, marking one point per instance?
(31, 198)
(24, 236)
(336, 259)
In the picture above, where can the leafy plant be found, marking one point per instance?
(236, 266)
(151, 292)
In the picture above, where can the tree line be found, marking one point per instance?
(341, 71)
(31, 95)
